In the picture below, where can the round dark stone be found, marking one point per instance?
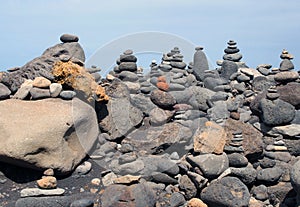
(267, 163)
(269, 175)
(260, 192)
(231, 51)
(237, 160)
(69, 38)
(177, 199)
(128, 58)
(165, 67)
(228, 191)
(128, 66)
(180, 65)
(128, 76)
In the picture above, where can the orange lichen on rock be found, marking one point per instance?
(78, 78)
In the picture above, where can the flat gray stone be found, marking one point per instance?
(29, 192)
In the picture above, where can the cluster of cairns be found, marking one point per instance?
(181, 135)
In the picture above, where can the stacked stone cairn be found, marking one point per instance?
(181, 135)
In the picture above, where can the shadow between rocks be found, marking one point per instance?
(19, 174)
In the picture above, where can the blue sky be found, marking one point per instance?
(261, 28)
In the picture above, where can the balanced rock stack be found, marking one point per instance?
(126, 62)
(126, 70)
(232, 52)
(231, 61)
(47, 186)
(173, 137)
(286, 63)
(286, 73)
(172, 60)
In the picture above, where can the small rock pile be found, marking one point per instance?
(182, 135)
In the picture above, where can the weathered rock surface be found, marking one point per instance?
(227, 192)
(49, 133)
(252, 138)
(137, 195)
(211, 165)
(119, 117)
(168, 137)
(210, 139)
(276, 112)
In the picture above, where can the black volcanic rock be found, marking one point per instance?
(228, 68)
(69, 38)
(227, 192)
(200, 64)
(276, 112)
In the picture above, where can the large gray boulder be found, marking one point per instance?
(48, 133)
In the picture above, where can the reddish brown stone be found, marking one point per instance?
(162, 86)
(162, 99)
(235, 115)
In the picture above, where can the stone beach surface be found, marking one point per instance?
(179, 136)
